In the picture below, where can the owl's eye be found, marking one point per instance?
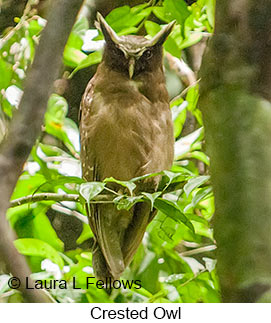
(147, 54)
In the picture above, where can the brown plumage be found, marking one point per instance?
(126, 131)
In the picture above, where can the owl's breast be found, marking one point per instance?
(128, 134)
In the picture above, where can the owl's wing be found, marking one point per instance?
(107, 256)
(83, 117)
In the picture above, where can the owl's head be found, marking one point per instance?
(132, 55)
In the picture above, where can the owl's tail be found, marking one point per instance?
(99, 264)
(135, 232)
(107, 258)
(118, 236)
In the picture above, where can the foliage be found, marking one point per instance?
(169, 262)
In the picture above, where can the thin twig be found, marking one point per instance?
(192, 278)
(44, 197)
(198, 250)
(183, 71)
(184, 92)
(151, 3)
(111, 191)
(60, 208)
(102, 198)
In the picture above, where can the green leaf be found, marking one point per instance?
(34, 28)
(91, 59)
(170, 44)
(6, 73)
(73, 57)
(117, 17)
(128, 31)
(57, 124)
(152, 197)
(51, 150)
(81, 26)
(85, 234)
(210, 9)
(192, 97)
(17, 213)
(91, 189)
(179, 117)
(128, 184)
(70, 136)
(27, 185)
(142, 291)
(173, 278)
(177, 9)
(191, 40)
(209, 263)
(123, 17)
(139, 8)
(43, 230)
(194, 183)
(200, 156)
(141, 178)
(35, 247)
(172, 210)
(197, 218)
(58, 181)
(183, 145)
(126, 202)
(68, 179)
(75, 41)
(152, 28)
(7, 107)
(201, 195)
(146, 262)
(162, 14)
(56, 110)
(172, 176)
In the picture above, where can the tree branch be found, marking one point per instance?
(44, 197)
(61, 209)
(183, 71)
(103, 198)
(26, 125)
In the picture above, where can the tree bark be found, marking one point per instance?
(26, 125)
(235, 101)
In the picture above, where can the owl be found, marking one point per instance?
(126, 131)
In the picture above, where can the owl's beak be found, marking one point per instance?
(131, 67)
